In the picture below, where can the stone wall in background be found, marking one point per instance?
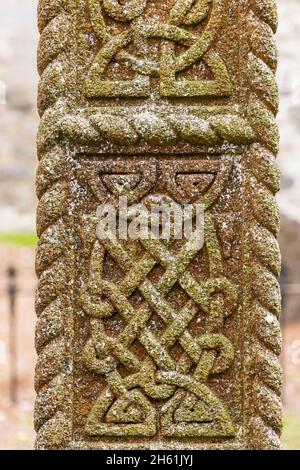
(18, 116)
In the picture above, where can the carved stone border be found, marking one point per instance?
(61, 127)
(263, 263)
(55, 253)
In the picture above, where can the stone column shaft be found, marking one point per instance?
(143, 343)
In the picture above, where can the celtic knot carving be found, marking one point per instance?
(126, 407)
(97, 384)
(136, 24)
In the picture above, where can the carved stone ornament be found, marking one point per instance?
(153, 344)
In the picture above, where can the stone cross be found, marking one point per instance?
(147, 343)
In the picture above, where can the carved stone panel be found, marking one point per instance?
(158, 316)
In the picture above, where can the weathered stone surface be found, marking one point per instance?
(147, 344)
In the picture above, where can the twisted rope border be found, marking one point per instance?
(263, 304)
(53, 408)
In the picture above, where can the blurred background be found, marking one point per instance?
(18, 124)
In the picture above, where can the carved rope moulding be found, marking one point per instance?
(145, 343)
(165, 63)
